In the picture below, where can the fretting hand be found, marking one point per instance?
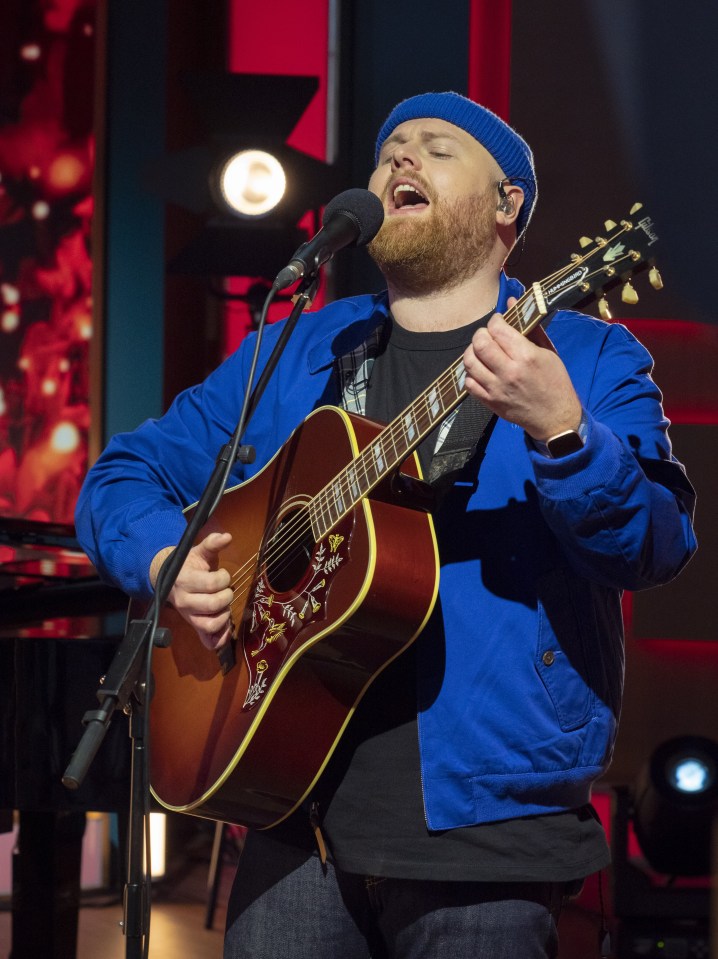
(521, 378)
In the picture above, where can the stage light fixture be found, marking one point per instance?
(691, 774)
(675, 801)
(251, 183)
(232, 180)
(662, 896)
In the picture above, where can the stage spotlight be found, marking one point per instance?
(249, 186)
(251, 183)
(675, 800)
(691, 774)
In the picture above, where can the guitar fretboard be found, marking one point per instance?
(387, 450)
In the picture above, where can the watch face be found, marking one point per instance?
(564, 443)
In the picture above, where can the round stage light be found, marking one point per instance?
(251, 183)
(691, 774)
(675, 800)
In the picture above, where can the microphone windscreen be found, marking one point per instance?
(363, 206)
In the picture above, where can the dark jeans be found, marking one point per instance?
(286, 905)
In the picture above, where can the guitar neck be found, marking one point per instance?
(603, 263)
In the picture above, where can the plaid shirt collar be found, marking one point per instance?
(353, 372)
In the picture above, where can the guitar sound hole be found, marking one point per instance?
(288, 552)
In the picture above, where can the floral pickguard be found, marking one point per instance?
(276, 619)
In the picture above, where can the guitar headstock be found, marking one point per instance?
(604, 262)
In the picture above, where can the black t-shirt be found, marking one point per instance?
(369, 798)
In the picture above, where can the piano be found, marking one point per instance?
(59, 628)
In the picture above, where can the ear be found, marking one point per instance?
(509, 208)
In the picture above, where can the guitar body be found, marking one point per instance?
(316, 618)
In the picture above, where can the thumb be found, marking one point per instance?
(210, 547)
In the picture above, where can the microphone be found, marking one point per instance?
(351, 218)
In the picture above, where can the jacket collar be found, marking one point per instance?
(352, 320)
(350, 323)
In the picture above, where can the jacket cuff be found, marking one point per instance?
(130, 565)
(577, 474)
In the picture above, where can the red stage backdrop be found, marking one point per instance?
(46, 163)
(489, 80)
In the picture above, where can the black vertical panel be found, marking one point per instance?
(617, 101)
(129, 263)
(560, 103)
(150, 45)
(668, 97)
(390, 52)
(196, 41)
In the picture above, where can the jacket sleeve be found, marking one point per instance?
(622, 507)
(131, 502)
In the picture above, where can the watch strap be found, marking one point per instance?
(564, 443)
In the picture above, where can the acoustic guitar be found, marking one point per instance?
(335, 571)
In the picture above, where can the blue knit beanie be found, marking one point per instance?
(510, 151)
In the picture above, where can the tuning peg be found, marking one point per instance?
(604, 309)
(585, 241)
(610, 225)
(654, 278)
(636, 207)
(628, 294)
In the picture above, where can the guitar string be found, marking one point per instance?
(322, 502)
(302, 524)
(287, 547)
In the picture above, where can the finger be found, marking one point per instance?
(212, 625)
(205, 604)
(197, 580)
(215, 640)
(501, 321)
(476, 368)
(487, 354)
(507, 338)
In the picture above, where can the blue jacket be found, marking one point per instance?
(521, 666)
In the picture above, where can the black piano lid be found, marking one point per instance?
(44, 575)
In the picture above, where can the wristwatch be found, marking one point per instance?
(562, 444)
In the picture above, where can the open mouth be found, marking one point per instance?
(407, 196)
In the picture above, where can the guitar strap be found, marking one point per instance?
(472, 422)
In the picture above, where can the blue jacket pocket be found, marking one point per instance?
(561, 660)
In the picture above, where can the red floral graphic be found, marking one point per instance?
(46, 166)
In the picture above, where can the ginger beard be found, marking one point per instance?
(422, 253)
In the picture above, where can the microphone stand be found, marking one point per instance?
(123, 686)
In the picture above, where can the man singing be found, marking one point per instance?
(455, 810)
